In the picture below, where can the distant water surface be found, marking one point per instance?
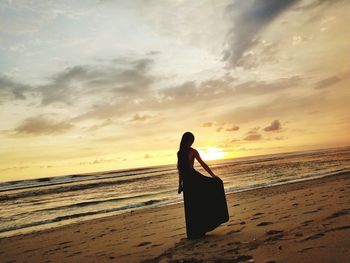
(32, 205)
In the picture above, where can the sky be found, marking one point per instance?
(90, 86)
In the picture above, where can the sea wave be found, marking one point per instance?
(83, 215)
(69, 188)
(237, 189)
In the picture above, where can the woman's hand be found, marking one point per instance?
(179, 190)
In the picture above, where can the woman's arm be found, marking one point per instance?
(204, 165)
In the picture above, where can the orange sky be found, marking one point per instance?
(106, 85)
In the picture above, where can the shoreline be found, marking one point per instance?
(265, 224)
(39, 228)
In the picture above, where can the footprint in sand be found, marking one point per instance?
(156, 245)
(339, 213)
(147, 235)
(284, 217)
(234, 243)
(338, 228)
(255, 218)
(306, 223)
(258, 214)
(234, 250)
(315, 236)
(243, 258)
(274, 235)
(264, 224)
(234, 231)
(233, 224)
(308, 248)
(144, 244)
(274, 232)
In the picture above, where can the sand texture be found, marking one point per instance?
(300, 222)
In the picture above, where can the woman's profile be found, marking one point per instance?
(204, 197)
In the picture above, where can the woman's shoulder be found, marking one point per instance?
(193, 150)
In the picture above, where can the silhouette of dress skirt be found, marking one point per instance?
(204, 202)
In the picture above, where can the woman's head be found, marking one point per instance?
(182, 155)
(186, 141)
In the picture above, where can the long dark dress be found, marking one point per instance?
(205, 203)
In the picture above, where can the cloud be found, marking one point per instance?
(141, 118)
(233, 128)
(96, 127)
(207, 124)
(190, 93)
(315, 4)
(78, 82)
(249, 18)
(219, 129)
(254, 130)
(253, 137)
(10, 89)
(258, 87)
(42, 126)
(327, 82)
(274, 126)
(222, 88)
(264, 53)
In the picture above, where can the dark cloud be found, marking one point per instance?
(253, 137)
(42, 126)
(233, 128)
(10, 89)
(274, 126)
(78, 82)
(249, 18)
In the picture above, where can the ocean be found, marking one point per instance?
(32, 205)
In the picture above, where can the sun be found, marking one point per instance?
(212, 153)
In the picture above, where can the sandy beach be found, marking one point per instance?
(300, 222)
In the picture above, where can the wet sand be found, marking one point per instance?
(300, 222)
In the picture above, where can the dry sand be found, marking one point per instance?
(300, 222)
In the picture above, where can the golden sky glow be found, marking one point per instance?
(104, 85)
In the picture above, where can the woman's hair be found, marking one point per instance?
(182, 155)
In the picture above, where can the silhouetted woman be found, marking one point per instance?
(204, 197)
